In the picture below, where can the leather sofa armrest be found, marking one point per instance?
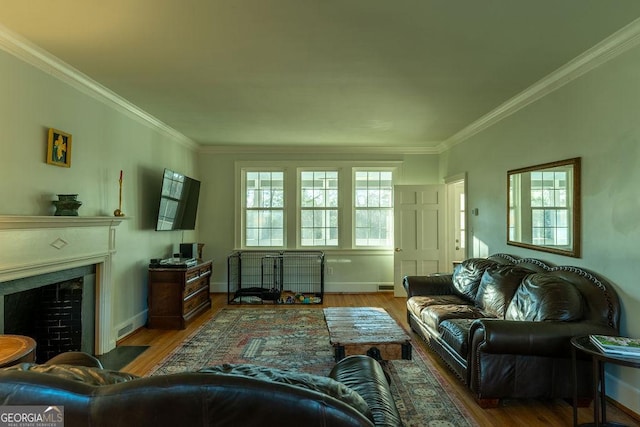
(75, 358)
(547, 338)
(366, 377)
(433, 284)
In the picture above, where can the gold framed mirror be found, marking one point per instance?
(543, 207)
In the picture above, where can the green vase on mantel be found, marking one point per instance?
(67, 205)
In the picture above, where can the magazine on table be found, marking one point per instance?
(621, 346)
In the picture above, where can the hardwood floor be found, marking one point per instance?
(509, 413)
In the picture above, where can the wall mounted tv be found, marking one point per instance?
(178, 202)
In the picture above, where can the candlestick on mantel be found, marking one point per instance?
(118, 212)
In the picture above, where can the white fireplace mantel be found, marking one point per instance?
(33, 245)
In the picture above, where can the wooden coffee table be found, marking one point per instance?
(16, 349)
(355, 330)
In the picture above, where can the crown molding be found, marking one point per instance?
(28, 52)
(315, 149)
(619, 42)
(609, 48)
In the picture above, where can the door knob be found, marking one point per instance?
(398, 250)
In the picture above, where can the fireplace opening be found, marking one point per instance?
(55, 318)
(59, 316)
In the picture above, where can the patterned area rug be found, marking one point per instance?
(297, 339)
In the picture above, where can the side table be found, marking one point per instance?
(16, 349)
(598, 359)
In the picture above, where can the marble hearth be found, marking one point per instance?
(38, 245)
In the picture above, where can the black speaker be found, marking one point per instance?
(189, 250)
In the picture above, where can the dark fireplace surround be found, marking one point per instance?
(56, 309)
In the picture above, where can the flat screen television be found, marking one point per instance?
(178, 202)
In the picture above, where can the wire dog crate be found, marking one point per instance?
(284, 277)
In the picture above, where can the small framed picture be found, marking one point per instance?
(59, 148)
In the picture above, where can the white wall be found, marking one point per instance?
(105, 141)
(351, 271)
(595, 117)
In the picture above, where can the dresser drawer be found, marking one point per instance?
(192, 275)
(195, 286)
(195, 300)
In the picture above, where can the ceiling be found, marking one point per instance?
(358, 73)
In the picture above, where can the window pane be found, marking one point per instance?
(373, 198)
(562, 218)
(251, 237)
(332, 198)
(536, 198)
(374, 227)
(277, 219)
(319, 228)
(333, 219)
(549, 219)
(361, 198)
(306, 218)
(277, 200)
(386, 198)
(251, 198)
(252, 219)
(562, 236)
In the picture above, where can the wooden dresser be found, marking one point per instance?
(177, 295)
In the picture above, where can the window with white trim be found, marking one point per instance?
(264, 208)
(373, 208)
(319, 208)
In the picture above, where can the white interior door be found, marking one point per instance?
(418, 230)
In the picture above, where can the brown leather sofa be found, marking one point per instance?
(503, 324)
(355, 393)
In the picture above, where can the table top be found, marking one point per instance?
(15, 347)
(358, 325)
(584, 344)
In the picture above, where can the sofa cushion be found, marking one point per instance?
(433, 315)
(317, 383)
(542, 296)
(418, 303)
(497, 286)
(455, 332)
(467, 275)
(86, 375)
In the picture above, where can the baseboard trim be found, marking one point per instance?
(334, 287)
(623, 395)
(130, 325)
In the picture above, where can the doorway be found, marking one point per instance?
(456, 219)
